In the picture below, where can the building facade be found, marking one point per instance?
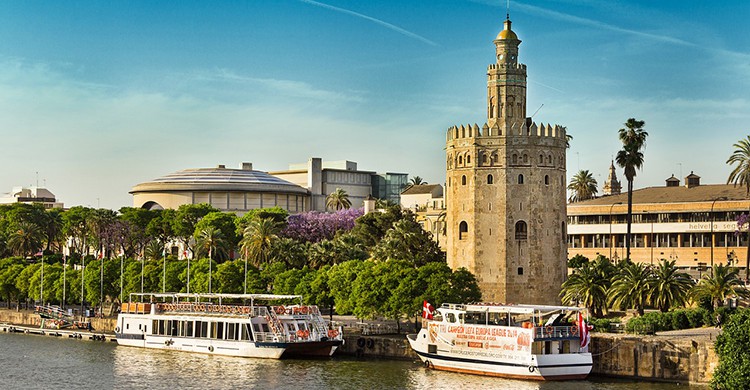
(695, 225)
(505, 195)
(31, 195)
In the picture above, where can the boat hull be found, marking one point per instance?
(248, 349)
(536, 367)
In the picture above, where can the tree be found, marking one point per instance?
(416, 181)
(588, 285)
(185, 219)
(583, 186)
(371, 228)
(338, 200)
(210, 240)
(631, 287)
(226, 223)
(633, 139)
(670, 286)
(740, 175)
(732, 344)
(314, 226)
(407, 240)
(258, 239)
(717, 286)
(26, 239)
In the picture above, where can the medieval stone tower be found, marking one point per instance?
(505, 195)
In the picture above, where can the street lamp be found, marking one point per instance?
(610, 229)
(712, 231)
(651, 238)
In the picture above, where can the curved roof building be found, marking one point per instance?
(236, 190)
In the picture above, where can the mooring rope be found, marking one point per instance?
(602, 353)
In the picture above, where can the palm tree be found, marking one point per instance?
(670, 287)
(631, 287)
(740, 175)
(416, 181)
(588, 286)
(633, 139)
(25, 239)
(338, 200)
(258, 239)
(724, 283)
(210, 240)
(583, 186)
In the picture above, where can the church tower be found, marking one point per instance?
(612, 185)
(506, 217)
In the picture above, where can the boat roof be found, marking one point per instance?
(264, 297)
(520, 309)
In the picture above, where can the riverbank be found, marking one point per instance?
(677, 357)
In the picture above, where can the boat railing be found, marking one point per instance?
(556, 332)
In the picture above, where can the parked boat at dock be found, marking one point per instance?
(512, 341)
(246, 325)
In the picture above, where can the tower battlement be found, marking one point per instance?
(531, 130)
(505, 66)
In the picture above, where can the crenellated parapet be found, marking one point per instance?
(505, 66)
(530, 129)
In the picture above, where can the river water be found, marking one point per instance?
(36, 362)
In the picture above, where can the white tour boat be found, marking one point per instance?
(512, 341)
(207, 323)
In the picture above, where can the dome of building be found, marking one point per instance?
(507, 33)
(227, 189)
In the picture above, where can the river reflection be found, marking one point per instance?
(36, 362)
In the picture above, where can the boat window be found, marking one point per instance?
(451, 317)
(247, 333)
(161, 327)
(127, 326)
(231, 331)
(154, 327)
(201, 329)
(189, 329)
(173, 328)
(264, 326)
(438, 316)
(218, 330)
(301, 326)
(256, 327)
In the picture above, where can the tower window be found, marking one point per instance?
(490, 179)
(521, 230)
(525, 158)
(546, 180)
(463, 230)
(484, 159)
(520, 270)
(514, 159)
(520, 179)
(541, 159)
(463, 180)
(460, 160)
(468, 159)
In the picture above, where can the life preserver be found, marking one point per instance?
(280, 309)
(370, 343)
(531, 368)
(332, 333)
(548, 330)
(574, 330)
(210, 348)
(307, 333)
(361, 342)
(246, 310)
(303, 310)
(117, 329)
(300, 333)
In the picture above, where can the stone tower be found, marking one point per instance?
(612, 185)
(506, 212)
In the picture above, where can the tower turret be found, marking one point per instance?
(506, 83)
(612, 185)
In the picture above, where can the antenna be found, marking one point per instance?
(507, 10)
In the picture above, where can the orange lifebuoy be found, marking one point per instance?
(332, 333)
(574, 330)
(548, 330)
(300, 333)
(280, 309)
(307, 333)
(304, 310)
(246, 310)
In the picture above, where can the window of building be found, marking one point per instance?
(514, 158)
(463, 229)
(460, 160)
(546, 180)
(520, 179)
(521, 230)
(525, 158)
(468, 159)
(489, 179)
(484, 159)
(520, 270)
(463, 180)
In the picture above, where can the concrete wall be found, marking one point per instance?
(28, 318)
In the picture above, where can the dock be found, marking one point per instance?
(64, 333)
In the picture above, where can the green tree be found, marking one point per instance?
(633, 139)
(338, 200)
(53, 228)
(258, 240)
(631, 287)
(211, 241)
(583, 186)
(229, 277)
(10, 270)
(740, 175)
(717, 286)
(341, 280)
(371, 228)
(407, 240)
(185, 219)
(26, 239)
(732, 344)
(416, 181)
(670, 286)
(76, 226)
(277, 214)
(291, 252)
(588, 285)
(226, 223)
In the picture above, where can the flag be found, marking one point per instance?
(427, 310)
(583, 332)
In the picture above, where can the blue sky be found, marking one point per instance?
(99, 96)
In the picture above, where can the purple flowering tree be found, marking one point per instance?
(743, 223)
(315, 226)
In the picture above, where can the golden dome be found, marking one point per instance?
(507, 33)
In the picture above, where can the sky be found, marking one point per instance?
(98, 96)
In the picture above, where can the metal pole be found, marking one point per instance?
(245, 289)
(65, 267)
(83, 273)
(122, 255)
(164, 271)
(712, 232)
(610, 229)
(101, 284)
(188, 272)
(41, 284)
(652, 242)
(143, 262)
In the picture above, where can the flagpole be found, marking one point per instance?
(65, 266)
(122, 255)
(101, 284)
(164, 272)
(41, 284)
(188, 271)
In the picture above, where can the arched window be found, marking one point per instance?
(520, 179)
(463, 229)
(521, 230)
(490, 179)
(546, 180)
(514, 159)
(468, 159)
(484, 159)
(525, 158)
(463, 180)
(460, 160)
(541, 159)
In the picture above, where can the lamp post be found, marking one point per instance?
(651, 237)
(712, 231)
(610, 229)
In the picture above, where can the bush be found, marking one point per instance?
(602, 324)
(675, 320)
(695, 317)
(678, 319)
(731, 346)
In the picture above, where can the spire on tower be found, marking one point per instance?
(612, 185)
